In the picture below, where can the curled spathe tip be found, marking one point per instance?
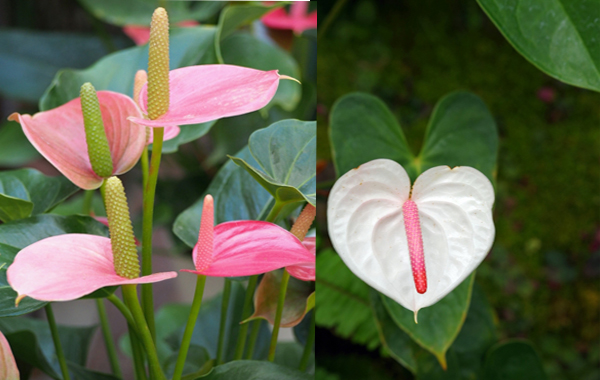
(289, 78)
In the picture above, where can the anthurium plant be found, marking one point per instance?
(249, 224)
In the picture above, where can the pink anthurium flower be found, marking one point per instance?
(244, 248)
(417, 244)
(209, 92)
(67, 267)
(8, 366)
(59, 135)
(141, 34)
(305, 272)
(297, 20)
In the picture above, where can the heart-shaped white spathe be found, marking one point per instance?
(366, 226)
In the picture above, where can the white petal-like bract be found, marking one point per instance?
(367, 229)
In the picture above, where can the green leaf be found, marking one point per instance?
(30, 59)
(187, 133)
(81, 373)
(299, 299)
(514, 359)
(116, 71)
(255, 370)
(26, 191)
(31, 343)
(343, 301)
(18, 234)
(461, 132)
(439, 324)
(15, 149)
(285, 154)
(288, 354)
(237, 197)
(396, 341)
(560, 37)
(235, 16)
(428, 367)
(196, 359)
(243, 49)
(139, 12)
(302, 329)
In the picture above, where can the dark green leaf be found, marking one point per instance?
(343, 301)
(255, 370)
(302, 330)
(139, 12)
(285, 154)
(15, 149)
(81, 373)
(439, 324)
(429, 368)
(237, 197)
(288, 354)
(116, 72)
(235, 16)
(25, 192)
(243, 49)
(515, 360)
(30, 59)
(18, 234)
(197, 358)
(560, 37)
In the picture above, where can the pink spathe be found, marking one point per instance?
(298, 20)
(141, 34)
(244, 248)
(305, 272)
(209, 92)
(59, 135)
(8, 366)
(67, 267)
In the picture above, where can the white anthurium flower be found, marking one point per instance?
(385, 231)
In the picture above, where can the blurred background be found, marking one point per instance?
(542, 275)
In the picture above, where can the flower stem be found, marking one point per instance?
(253, 338)
(145, 167)
(57, 346)
(277, 207)
(282, 291)
(308, 347)
(88, 196)
(122, 308)
(189, 327)
(148, 215)
(108, 340)
(130, 296)
(223, 324)
(136, 349)
(246, 311)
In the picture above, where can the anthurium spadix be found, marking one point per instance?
(67, 267)
(245, 247)
(59, 135)
(413, 244)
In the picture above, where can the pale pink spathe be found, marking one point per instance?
(209, 92)
(141, 34)
(305, 272)
(8, 366)
(297, 20)
(59, 135)
(67, 267)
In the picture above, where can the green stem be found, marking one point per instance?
(138, 355)
(88, 196)
(57, 346)
(122, 308)
(308, 347)
(223, 324)
(331, 16)
(282, 291)
(277, 207)
(108, 340)
(145, 167)
(246, 312)
(189, 327)
(253, 338)
(148, 215)
(130, 296)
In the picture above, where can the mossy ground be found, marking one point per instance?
(542, 276)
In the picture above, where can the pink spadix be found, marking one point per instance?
(412, 225)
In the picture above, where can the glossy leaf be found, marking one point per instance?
(234, 17)
(30, 192)
(560, 37)
(285, 154)
(343, 301)
(299, 299)
(15, 149)
(139, 12)
(243, 49)
(30, 59)
(461, 132)
(397, 342)
(288, 354)
(116, 71)
(237, 197)
(515, 360)
(255, 370)
(438, 324)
